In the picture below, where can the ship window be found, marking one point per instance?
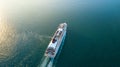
(60, 32)
(54, 40)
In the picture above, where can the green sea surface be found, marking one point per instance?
(93, 35)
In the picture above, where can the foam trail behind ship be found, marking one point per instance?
(44, 62)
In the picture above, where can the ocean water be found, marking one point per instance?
(93, 35)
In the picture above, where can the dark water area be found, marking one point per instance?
(92, 40)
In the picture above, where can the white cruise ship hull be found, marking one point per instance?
(55, 43)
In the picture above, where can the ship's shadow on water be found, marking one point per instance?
(28, 49)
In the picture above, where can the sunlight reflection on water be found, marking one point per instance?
(17, 48)
(7, 40)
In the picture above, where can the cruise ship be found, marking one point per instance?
(56, 41)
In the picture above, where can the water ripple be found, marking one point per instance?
(7, 40)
